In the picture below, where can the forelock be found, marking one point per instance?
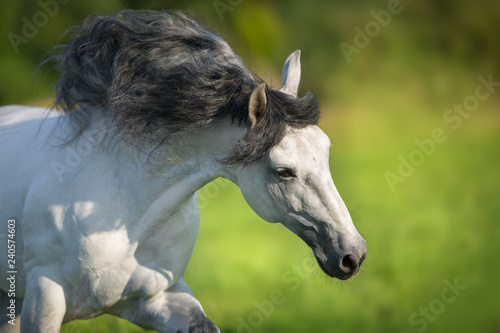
(282, 110)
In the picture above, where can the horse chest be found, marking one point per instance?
(99, 274)
(111, 269)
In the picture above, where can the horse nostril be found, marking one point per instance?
(349, 264)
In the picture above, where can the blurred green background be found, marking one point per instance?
(429, 225)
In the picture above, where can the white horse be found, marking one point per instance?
(99, 223)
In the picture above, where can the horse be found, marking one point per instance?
(98, 195)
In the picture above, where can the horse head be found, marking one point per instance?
(292, 184)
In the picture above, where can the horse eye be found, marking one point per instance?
(285, 173)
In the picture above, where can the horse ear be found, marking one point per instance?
(257, 104)
(291, 74)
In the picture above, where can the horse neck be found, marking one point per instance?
(168, 177)
(198, 154)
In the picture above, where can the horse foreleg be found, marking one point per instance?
(174, 310)
(44, 306)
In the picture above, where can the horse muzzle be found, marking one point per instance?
(344, 265)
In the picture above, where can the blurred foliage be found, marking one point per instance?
(441, 223)
(427, 38)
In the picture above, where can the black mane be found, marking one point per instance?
(153, 73)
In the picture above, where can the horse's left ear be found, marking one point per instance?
(257, 104)
(291, 74)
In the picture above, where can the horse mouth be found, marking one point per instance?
(338, 275)
(323, 268)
